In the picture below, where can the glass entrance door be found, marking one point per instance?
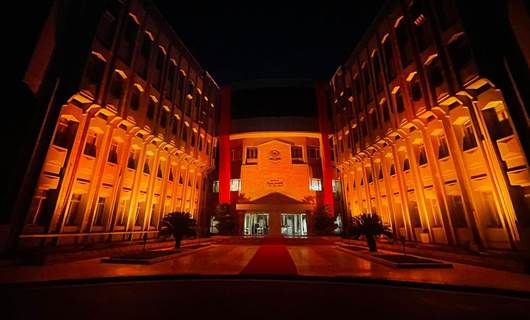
(256, 224)
(294, 224)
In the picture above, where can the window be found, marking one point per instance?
(456, 210)
(369, 177)
(147, 168)
(163, 117)
(160, 59)
(151, 105)
(65, 133)
(460, 55)
(392, 170)
(181, 180)
(170, 83)
(121, 216)
(129, 39)
(174, 127)
(315, 184)
(492, 216)
(215, 186)
(185, 133)
(252, 154)
(99, 213)
(236, 154)
(367, 83)
(443, 150)
(193, 139)
(139, 216)
(405, 48)
(421, 27)
(447, 13)
(415, 88)
(152, 218)
(135, 97)
(373, 120)
(389, 56)
(74, 210)
(159, 173)
(435, 73)
(398, 98)
(201, 141)
(380, 176)
(386, 111)
(497, 122)
(108, 23)
(414, 214)
(95, 70)
(406, 165)
(435, 210)
(422, 156)
(313, 152)
(469, 141)
(235, 184)
(90, 144)
(113, 153)
(296, 154)
(377, 72)
(145, 53)
(170, 176)
(335, 185)
(116, 87)
(132, 161)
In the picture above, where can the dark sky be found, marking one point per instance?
(261, 39)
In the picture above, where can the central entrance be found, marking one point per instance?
(256, 224)
(294, 224)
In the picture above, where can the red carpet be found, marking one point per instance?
(272, 257)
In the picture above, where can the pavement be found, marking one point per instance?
(310, 258)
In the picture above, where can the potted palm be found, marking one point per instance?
(179, 225)
(370, 226)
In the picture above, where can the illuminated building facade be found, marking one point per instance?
(273, 170)
(431, 126)
(129, 133)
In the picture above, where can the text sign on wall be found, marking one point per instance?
(274, 183)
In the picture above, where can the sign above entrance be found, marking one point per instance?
(275, 183)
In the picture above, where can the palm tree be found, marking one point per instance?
(178, 224)
(370, 226)
(323, 221)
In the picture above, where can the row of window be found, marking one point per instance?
(296, 154)
(349, 97)
(315, 184)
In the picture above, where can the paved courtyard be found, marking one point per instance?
(309, 258)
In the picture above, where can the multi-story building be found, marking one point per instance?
(430, 116)
(274, 171)
(128, 134)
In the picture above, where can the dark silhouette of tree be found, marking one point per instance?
(370, 226)
(179, 225)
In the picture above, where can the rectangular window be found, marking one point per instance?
(121, 217)
(235, 184)
(443, 150)
(90, 145)
(493, 219)
(252, 154)
(422, 156)
(398, 99)
(74, 211)
(315, 184)
(215, 187)
(456, 210)
(113, 153)
(236, 154)
(139, 214)
(132, 161)
(99, 216)
(468, 141)
(313, 152)
(414, 214)
(296, 154)
(335, 184)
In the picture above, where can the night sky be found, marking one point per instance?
(251, 40)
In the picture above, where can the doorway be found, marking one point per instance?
(256, 224)
(294, 224)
